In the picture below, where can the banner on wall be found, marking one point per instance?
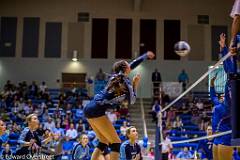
(173, 89)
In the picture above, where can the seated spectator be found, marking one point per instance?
(124, 110)
(151, 153)
(42, 87)
(58, 130)
(67, 146)
(45, 95)
(40, 130)
(112, 116)
(200, 105)
(50, 124)
(7, 153)
(166, 147)
(66, 123)
(155, 110)
(100, 76)
(177, 124)
(56, 146)
(15, 128)
(185, 154)
(68, 109)
(79, 112)
(8, 85)
(165, 98)
(45, 115)
(124, 128)
(72, 132)
(33, 89)
(27, 107)
(81, 127)
(171, 114)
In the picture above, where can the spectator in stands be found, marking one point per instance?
(185, 154)
(200, 105)
(7, 153)
(177, 124)
(130, 149)
(40, 130)
(123, 128)
(184, 79)
(45, 115)
(2, 131)
(53, 146)
(205, 146)
(15, 128)
(171, 114)
(124, 110)
(66, 123)
(79, 112)
(50, 124)
(33, 89)
(151, 153)
(67, 146)
(155, 110)
(81, 127)
(8, 85)
(27, 107)
(111, 116)
(58, 130)
(45, 144)
(43, 87)
(156, 80)
(100, 76)
(57, 146)
(81, 149)
(166, 146)
(72, 132)
(165, 98)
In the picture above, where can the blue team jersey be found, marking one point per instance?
(111, 96)
(80, 153)
(221, 120)
(205, 148)
(129, 151)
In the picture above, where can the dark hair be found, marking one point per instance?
(120, 66)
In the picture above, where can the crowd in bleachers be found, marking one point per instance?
(188, 118)
(60, 113)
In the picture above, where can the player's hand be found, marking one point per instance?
(222, 40)
(137, 157)
(136, 80)
(232, 49)
(150, 55)
(213, 81)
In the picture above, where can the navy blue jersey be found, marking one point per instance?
(129, 151)
(205, 147)
(113, 96)
(80, 153)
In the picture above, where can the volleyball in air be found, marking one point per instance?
(182, 48)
